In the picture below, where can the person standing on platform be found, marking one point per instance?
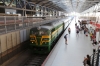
(94, 48)
(99, 45)
(91, 36)
(84, 30)
(65, 38)
(77, 31)
(75, 24)
(69, 30)
(86, 61)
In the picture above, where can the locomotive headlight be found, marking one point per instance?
(32, 42)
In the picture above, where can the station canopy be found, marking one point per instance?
(67, 5)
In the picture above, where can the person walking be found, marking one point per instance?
(65, 38)
(91, 36)
(77, 31)
(75, 24)
(69, 30)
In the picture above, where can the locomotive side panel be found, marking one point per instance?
(60, 29)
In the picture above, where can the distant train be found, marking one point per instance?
(42, 37)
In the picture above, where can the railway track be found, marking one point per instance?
(37, 59)
(34, 60)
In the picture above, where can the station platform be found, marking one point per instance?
(72, 54)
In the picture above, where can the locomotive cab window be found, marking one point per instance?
(41, 32)
(33, 33)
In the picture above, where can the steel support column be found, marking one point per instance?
(17, 3)
(4, 2)
(11, 2)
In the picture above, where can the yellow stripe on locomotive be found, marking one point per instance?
(43, 39)
(33, 39)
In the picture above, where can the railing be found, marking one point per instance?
(97, 62)
(92, 59)
(95, 58)
(12, 23)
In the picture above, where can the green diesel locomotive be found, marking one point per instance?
(42, 37)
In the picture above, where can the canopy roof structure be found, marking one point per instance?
(67, 5)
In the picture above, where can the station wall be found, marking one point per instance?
(12, 43)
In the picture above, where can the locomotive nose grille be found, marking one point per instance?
(38, 40)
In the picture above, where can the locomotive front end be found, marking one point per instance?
(40, 40)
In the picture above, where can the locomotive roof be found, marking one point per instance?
(54, 23)
(48, 26)
(42, 27)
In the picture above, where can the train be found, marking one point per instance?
(42, 37)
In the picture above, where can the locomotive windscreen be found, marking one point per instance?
(39, 32)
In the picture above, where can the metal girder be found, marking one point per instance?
(60, 9)
(28, 4)
(18, 3)
(48, 4)
(11, 2)
(34, 6)
(43, 4)
(40, 1)
(53, 7)
(15, 8)
(92, 1)
(56, 8)
(34, 1)
(3, 2)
